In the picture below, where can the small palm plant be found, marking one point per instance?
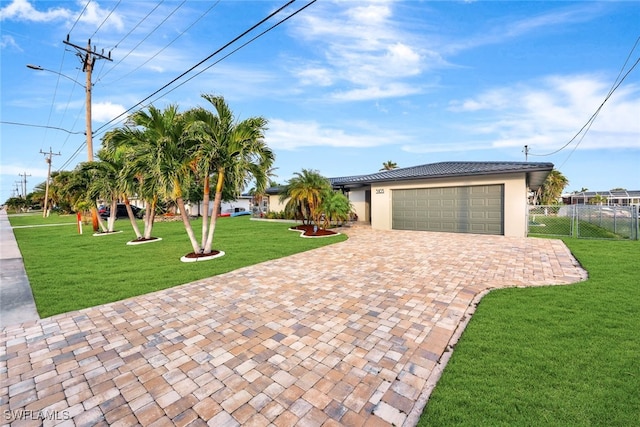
(305, 192)
(336, 207)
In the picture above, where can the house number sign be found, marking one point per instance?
(379, 190)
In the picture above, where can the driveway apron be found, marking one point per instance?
(351, 334)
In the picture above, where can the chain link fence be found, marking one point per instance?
(584, 221)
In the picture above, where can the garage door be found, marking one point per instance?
(469, 209)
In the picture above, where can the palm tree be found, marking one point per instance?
(234, 152)
(57, 195)
(551, 190)
(336, 207)
(598, 199)
(123, 145)
(104, 185)
(305, 192)
(73, 187)
(164, 158)
(389, 165)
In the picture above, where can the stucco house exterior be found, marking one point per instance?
(458, 197)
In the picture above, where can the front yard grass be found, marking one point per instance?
(558, 355)
(68, 271)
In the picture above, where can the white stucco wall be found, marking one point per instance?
(274, 203)
(515, 199)
(360, 204)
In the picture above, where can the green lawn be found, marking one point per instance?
(68, 271)
(561, 355)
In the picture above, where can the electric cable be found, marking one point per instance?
(79, 16)
(144, 39)
(138, 24)
(161, 50)
(235, 50)
(591, 119)
(198, 64)
(118, 118)
(38, 126)
(105, 19)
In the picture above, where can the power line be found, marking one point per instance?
(589, 122)
(39, 126)
(105, 19)
(138, 24)
(161, 50)
(118, 118)
(145, 38)
(80, 15)
(199, 63)
(238, 48)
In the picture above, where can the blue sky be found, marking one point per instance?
(345, 85)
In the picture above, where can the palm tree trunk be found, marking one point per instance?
(205, 215)
(187, 225)
(101, 224)
(149, 217)
(214, 215)
(111, 222)
(132, 218)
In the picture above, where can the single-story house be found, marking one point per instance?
(458, 197)
(244, 202)
(610, 197)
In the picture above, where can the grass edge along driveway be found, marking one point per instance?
(559, 355)
(68, 271)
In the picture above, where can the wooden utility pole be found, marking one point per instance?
(88, 57)
(45, 212)
(24, 184)
(526, 153)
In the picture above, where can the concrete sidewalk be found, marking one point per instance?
(16, 299)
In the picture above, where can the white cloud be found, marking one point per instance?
(315, 76)
(393, 90)
(513, 26)
(23, 10)
(293, 135)
(105, 111)
(366, 51)
(95, 15)
(13, 170)
(546, 114)
(8, 41)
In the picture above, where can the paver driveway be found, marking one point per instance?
(349, 334)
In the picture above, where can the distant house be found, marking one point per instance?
(458, 197)
(244, 202)
(613, 198)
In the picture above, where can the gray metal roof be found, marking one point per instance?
(536, 172)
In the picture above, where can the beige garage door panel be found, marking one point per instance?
(468, 209)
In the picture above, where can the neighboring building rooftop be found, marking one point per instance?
(617, 197)
(606, 193)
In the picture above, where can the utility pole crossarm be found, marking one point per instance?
(88, 50)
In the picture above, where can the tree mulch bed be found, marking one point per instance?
(200, 255)
(307, 231)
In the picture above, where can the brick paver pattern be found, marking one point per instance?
(348, 334)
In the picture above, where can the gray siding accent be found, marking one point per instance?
(468, 209)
